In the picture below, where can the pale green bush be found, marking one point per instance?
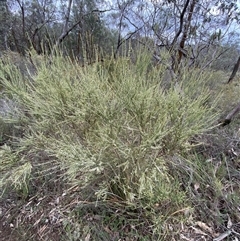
(110, 125)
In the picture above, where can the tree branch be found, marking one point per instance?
(229, 117)
(235, 69)
(181, 23)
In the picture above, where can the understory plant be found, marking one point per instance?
(109, 128)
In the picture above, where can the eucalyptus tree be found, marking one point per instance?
(30, 24)
(90, 31)
(188, 29)
(41, 19)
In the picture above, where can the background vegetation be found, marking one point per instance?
(110, 124)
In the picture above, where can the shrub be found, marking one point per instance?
(109, 127)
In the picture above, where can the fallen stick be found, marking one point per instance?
(229, 117)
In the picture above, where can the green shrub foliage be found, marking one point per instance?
(109, 125)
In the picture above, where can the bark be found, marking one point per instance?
(235, 69)
(181, 23)
(21, 5)
(185, 33)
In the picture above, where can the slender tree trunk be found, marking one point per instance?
(185, 33)
(24, 40)
(65, 30)
(181, 23)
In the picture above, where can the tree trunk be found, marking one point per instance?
(65, 30)
(185, 33)
(184, 29)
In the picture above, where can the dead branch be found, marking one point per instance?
(229, 117)
(235, 69)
